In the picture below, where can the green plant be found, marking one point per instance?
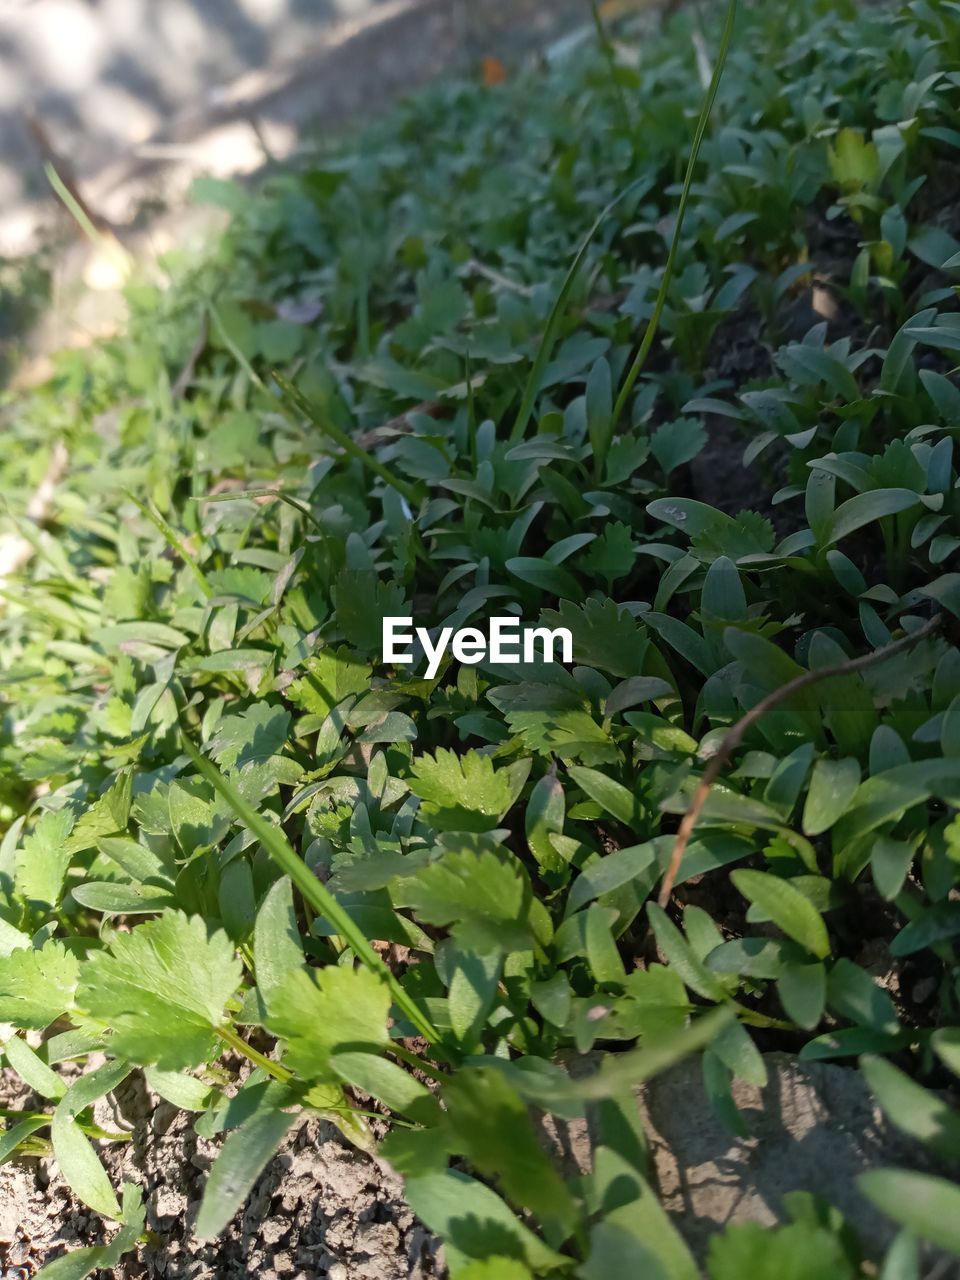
(231, 826)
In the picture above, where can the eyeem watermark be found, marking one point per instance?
(506, 641)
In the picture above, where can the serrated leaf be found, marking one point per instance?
(604, 635)
(461, 793)
(43, 858)
(317, 1011)
(254, 735)
(161, 990)
(485, 897)
(36, 987)
(796, 1251)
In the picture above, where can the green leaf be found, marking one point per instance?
(803, 992)
(889, 862)
(612, 796)
(833, 785)
(792, 1252)
(254, 735)
(787, 907)
(604, 635)
(161, 990)
(472, 992)
(926, 1205)
(387, 1081)
(629, 1205)
(31, 1068)
(675, 443)
(36, 987)
(499, 1268)
(122, 899)
(853, 994)
(330, 676)
(185, 1092)
(491, 1126)
(461, 793)
(914, 1110)
(277, 948)
(864, 508)
(599, 409)
(735, 1048)
(936, 924)
(318, 1011)
(601, 950)
(854, 162)
(624, 1071)
(474, 1220)
(545, 814)
(11, 1137)
(80, 1164)
(44, 857)
(682, 958)
(485, 897)
(239, 1163)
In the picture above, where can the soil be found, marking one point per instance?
(321, 1209)
(324, 1211)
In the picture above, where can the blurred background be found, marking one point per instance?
(129, 102)
(130, 99)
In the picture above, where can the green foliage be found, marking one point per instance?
(229, 824)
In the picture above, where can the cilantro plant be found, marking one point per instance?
(476, 362)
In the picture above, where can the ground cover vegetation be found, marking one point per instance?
(231, 829)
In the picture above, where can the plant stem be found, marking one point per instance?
(653, 324)
(414, 1060)
(229, 1035)
(297, 401)
(174, 542)
(549, 336)
(733, 737)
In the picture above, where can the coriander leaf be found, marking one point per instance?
(161, 990)
(36, 987)
(462, 793)
(322, 1010)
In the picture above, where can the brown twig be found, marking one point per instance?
(734, 736)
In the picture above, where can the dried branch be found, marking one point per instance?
(736, 732)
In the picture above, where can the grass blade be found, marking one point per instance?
(313, 892)
(548, 340)
(643, 351)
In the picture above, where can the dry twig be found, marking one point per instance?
(735, 734)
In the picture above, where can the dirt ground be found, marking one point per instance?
(324, 1211)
